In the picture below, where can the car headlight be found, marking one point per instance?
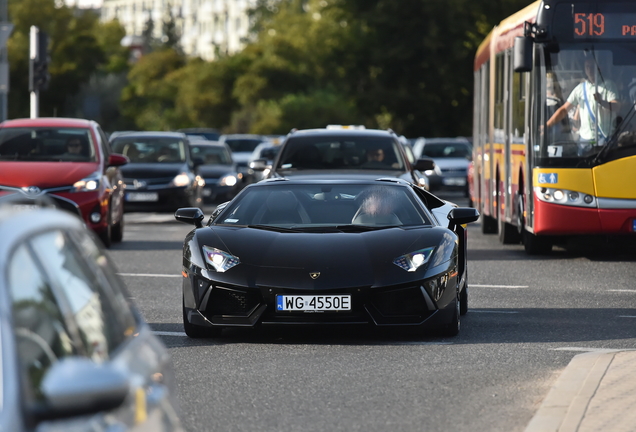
(414, 260)
(180, 180)
(220, 260)
(228, 180)
(86, 185)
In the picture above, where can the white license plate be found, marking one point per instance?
(313, 303)
(454, 181)
(142, 196)
(207, 192)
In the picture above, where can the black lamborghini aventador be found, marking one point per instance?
(382, 252)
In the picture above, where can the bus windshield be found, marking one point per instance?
(588, 97)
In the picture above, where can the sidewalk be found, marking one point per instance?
(595, 392)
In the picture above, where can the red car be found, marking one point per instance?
(69, 161)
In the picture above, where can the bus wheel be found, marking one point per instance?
(508, 233)
(536, 245)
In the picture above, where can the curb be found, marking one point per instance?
(567, 402)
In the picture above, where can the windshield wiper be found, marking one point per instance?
(614, 138)
(363, 228)
(274, 228)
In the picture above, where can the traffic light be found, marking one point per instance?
(39, 76)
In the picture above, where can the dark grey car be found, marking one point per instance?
(75, 355)
(161, 174)
(347, 154)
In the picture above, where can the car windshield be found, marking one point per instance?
(151, 149)
(47, 144)
(243, 144)
(341, 153)
(447, 150)
(212, 155)
(326, 206)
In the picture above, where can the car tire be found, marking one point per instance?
(536, 245)
(117, 232)
(452, 328)
(463, 301)
(106, 235)
(198, 332)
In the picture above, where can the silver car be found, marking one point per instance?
(75, 355)
(452, 157)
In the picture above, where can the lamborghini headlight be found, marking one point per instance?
(414, 260)
(220, 260)
(181, 180)
(88, 184)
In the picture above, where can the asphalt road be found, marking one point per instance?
(528, 317)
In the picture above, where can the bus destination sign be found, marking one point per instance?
(598, 25)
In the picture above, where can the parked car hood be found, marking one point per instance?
(44, 175)
(153, 170)
(284, 260)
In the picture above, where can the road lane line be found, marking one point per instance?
(166, 333)
(622, 290)
(587, 349)
(498, 286)
(627, 316)
(150, 275)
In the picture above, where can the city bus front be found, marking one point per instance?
(582, 134)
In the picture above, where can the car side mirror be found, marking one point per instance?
(190, 215)
(115, 160)
(424, 164)
(258, 164)
(461, 216)
(77, 386)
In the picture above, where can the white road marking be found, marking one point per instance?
(150, 275)
(166, 333)
(622, 290)
(492, 311)
(586, 349)
(420, 343)
(627, 316)
(498, 286)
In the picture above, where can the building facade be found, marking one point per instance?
(205, 28)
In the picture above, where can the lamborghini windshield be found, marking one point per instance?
(308, 206)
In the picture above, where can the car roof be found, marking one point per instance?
(47, 122)
(16, 224)
(455, 140)
(244, 136)
(204, 142)
(151, 134)
(342, 132)
(331, 181)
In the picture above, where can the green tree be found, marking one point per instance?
(150, 97)
(74, 51)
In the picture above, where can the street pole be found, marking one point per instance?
(5, 31)
(33, 55)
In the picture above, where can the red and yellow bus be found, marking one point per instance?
(543, 178)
